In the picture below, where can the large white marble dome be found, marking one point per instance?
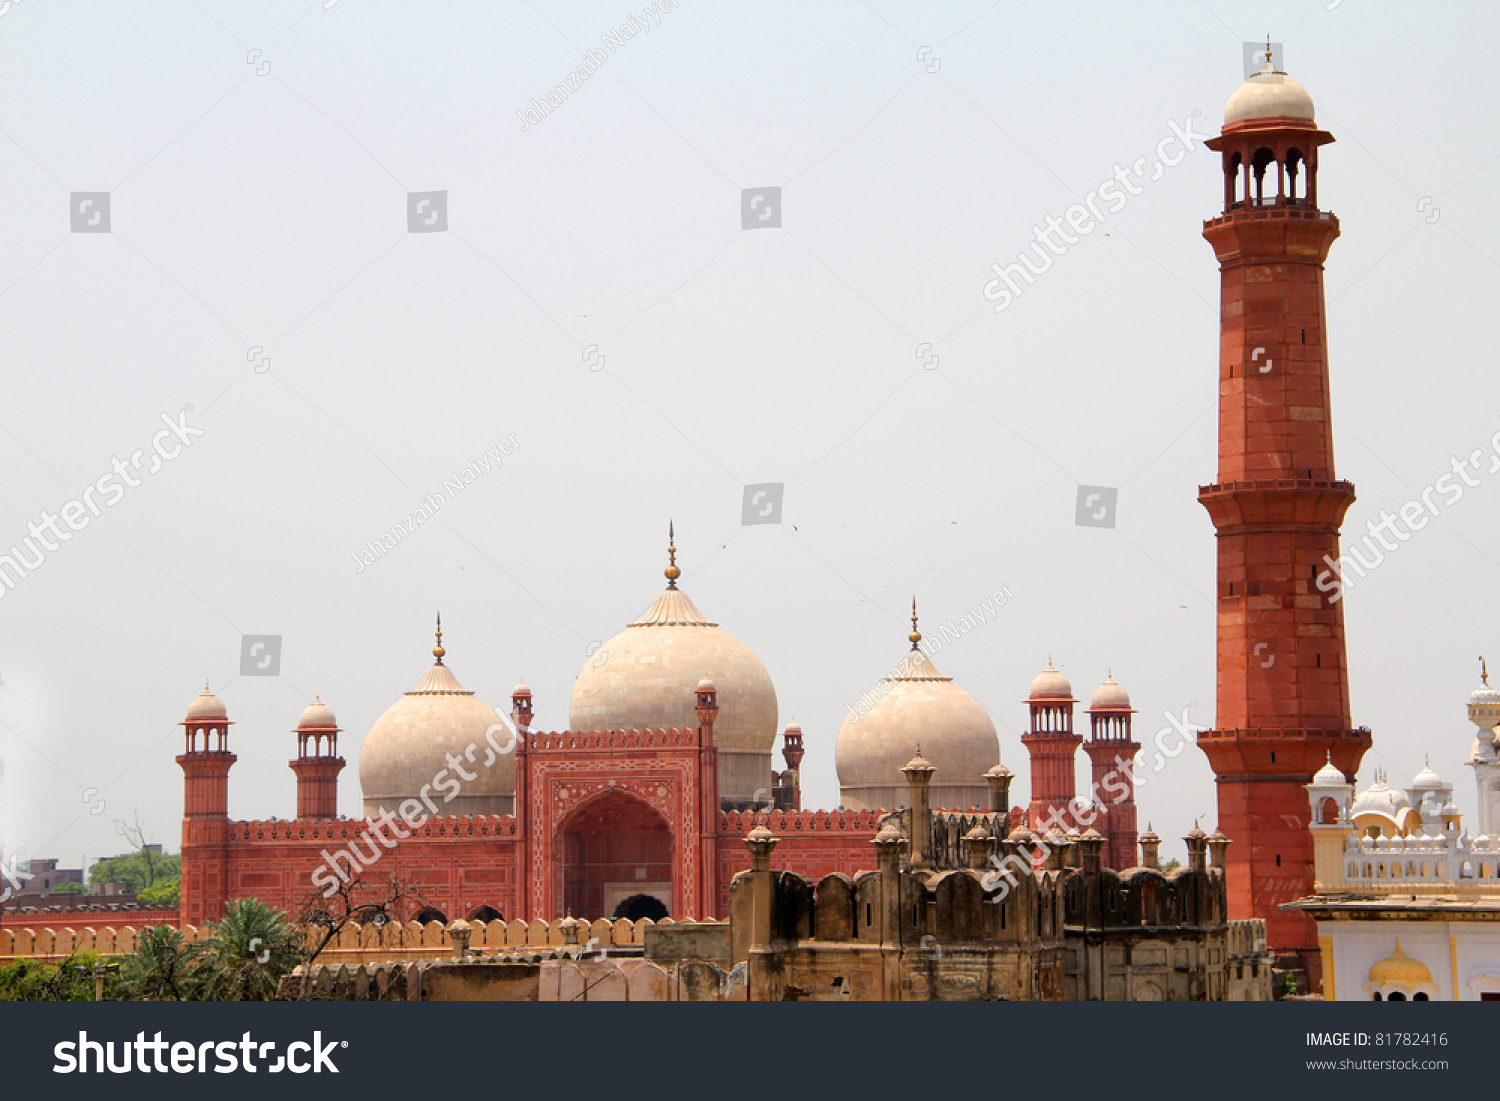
(408, 746)
(916, 707)
(646, 677)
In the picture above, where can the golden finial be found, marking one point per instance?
(916, 635)
(205, 682)
(1484, 673)
(1268, 48)
(438, 651)
(672, 572)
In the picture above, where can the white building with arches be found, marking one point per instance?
(1407, 901)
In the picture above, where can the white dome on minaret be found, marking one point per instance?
(1051, 684)
(1268, 94)
(206, 706)
(648, 679)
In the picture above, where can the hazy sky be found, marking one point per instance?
(259, 276)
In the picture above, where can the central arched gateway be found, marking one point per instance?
(614, 848)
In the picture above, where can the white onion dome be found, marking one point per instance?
(1051, 685)
(916, 705)
(1330, 775)
(649, 676)
(1109, 694)
(1380, 798)
(521, 689)
(407, 750)
(1268, 94)
(205, 707)
(1427, 780)
(318, 714)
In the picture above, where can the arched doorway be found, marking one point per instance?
(615, 847)
(641, 906)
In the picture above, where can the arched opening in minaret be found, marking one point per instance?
(615, 847)
(1232, 189)
(1293, 170)
(1259, 163)
(1330, 815)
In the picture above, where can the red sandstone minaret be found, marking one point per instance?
(318, 764)
(205, 823)
(1053, 748)
(1283, 693)
(1112, 751)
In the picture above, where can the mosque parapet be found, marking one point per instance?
(342, 829)
(566, 741)
(740, 822)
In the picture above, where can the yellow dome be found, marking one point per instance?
(916, 704)
(1399, 969)
(407, 748)
(649, 676)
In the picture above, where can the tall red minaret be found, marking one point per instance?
(318, 763)
(1283, 691)
(205, 823)
(1053, 748)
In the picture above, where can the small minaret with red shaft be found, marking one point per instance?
(318, 763)
(205, 823)
(1283, 690)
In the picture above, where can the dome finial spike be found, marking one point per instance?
(672, 572)
(438, 651)
(1484, 672)
(916, 635)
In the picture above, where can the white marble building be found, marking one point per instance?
(1408, 902)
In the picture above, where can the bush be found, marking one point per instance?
(164, 894)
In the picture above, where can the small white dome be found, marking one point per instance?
(1485, 696)
(1427, 780)
(206, 706)
(1110, 694)
(317, 713)
(1268, 94)
(1329, 775)
(1051, 685)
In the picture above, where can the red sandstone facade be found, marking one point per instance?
(1283, 694)
(593, 808)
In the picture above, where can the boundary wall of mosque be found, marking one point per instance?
(355, 943)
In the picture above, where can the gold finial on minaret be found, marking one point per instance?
(1484, 673)
(672, 572)
(916, 635)
(438, 651)
(1268, 47)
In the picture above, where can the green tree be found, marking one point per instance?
(164, 894)
(68, 889)
(72, 980)
(135, 871)
(246, 954)
(163, 967)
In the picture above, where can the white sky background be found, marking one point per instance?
(270, 211)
